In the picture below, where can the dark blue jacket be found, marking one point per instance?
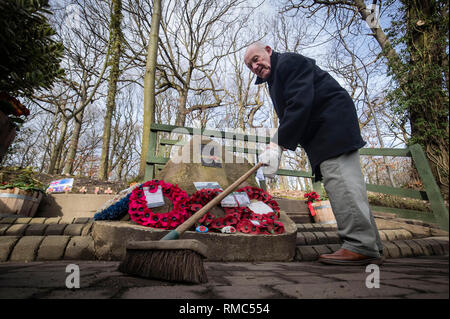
(313, 109)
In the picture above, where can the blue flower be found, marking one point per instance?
(115, 211)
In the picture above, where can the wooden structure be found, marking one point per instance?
(19, 202)
(157, 151)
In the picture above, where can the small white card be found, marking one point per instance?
(155, 199)
(236, 199)
(260, 174)
(242, 199)
(202, 185)
(260, 208)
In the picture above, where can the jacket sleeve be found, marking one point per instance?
(296, 74)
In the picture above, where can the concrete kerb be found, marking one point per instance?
(6, 245)
(26, 248)
(432, 246)
(52, 247)
(80, 248)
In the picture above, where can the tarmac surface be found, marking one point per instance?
(403, 278)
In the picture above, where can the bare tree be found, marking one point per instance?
(115, 31)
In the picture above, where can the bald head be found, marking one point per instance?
(257, 59)
(256, 45)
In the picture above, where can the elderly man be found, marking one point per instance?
(317, 113)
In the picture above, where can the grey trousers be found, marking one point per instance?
(346, 189)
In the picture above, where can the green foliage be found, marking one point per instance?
(30, 56)
(20, 178)
(419, 33)
(392, 201)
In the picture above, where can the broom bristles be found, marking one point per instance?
(179, 265)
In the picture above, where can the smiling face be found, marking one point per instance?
(257, 59)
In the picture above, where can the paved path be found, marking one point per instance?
(418, 277)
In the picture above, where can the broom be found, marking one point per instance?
(175, 260)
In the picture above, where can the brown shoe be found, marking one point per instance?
(347, 257)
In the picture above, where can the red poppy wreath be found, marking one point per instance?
(199, 199)
(242, 218)
(143, 215)
(254, 223)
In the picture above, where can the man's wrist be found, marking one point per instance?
(274, 145)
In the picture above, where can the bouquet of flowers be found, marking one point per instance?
(311, 198)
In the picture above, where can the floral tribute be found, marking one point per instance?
(141, 214)
(311, 198)
(115, 211)
(199, 199)
(243, 219)
(254, 223)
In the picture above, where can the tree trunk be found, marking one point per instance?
(116, 48)
(423, 81)
(150, 83)
(72, 152)
(429, 108)
(181, 116)
(57, 148)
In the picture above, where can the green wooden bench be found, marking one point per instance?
(158, 144)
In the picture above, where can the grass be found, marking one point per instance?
(378, 199)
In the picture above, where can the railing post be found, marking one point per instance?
(150, 167)
(434, 195)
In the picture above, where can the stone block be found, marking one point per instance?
(80, 248)
(306, 253)
(35, 229)
(6, 245)
(403, 234)
(66, 220)
(8, 220)
(26, 248)
(334, 247)
(322, 249)
(300, 239)
(23, 220)
(3, 228)
(86, 229)
(37, 220)
(435, 246)
(383, 236)
(321, 238)
(390, 234)
(310, 238)
(111, 237)
(52, 220)
(405, 250)
(443, 242)
(16, 230)
(415, 247)
(55, 229)
(333, 237)
(52, 248)
(81, 220)
(73, 229)
(391, 250)
(426, 247)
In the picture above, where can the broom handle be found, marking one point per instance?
(191, 221)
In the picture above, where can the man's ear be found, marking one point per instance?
(268, 50)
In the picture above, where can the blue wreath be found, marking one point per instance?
(114, 212)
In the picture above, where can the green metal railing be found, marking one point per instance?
(431, 192)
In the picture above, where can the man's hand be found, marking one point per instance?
(271, 159)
